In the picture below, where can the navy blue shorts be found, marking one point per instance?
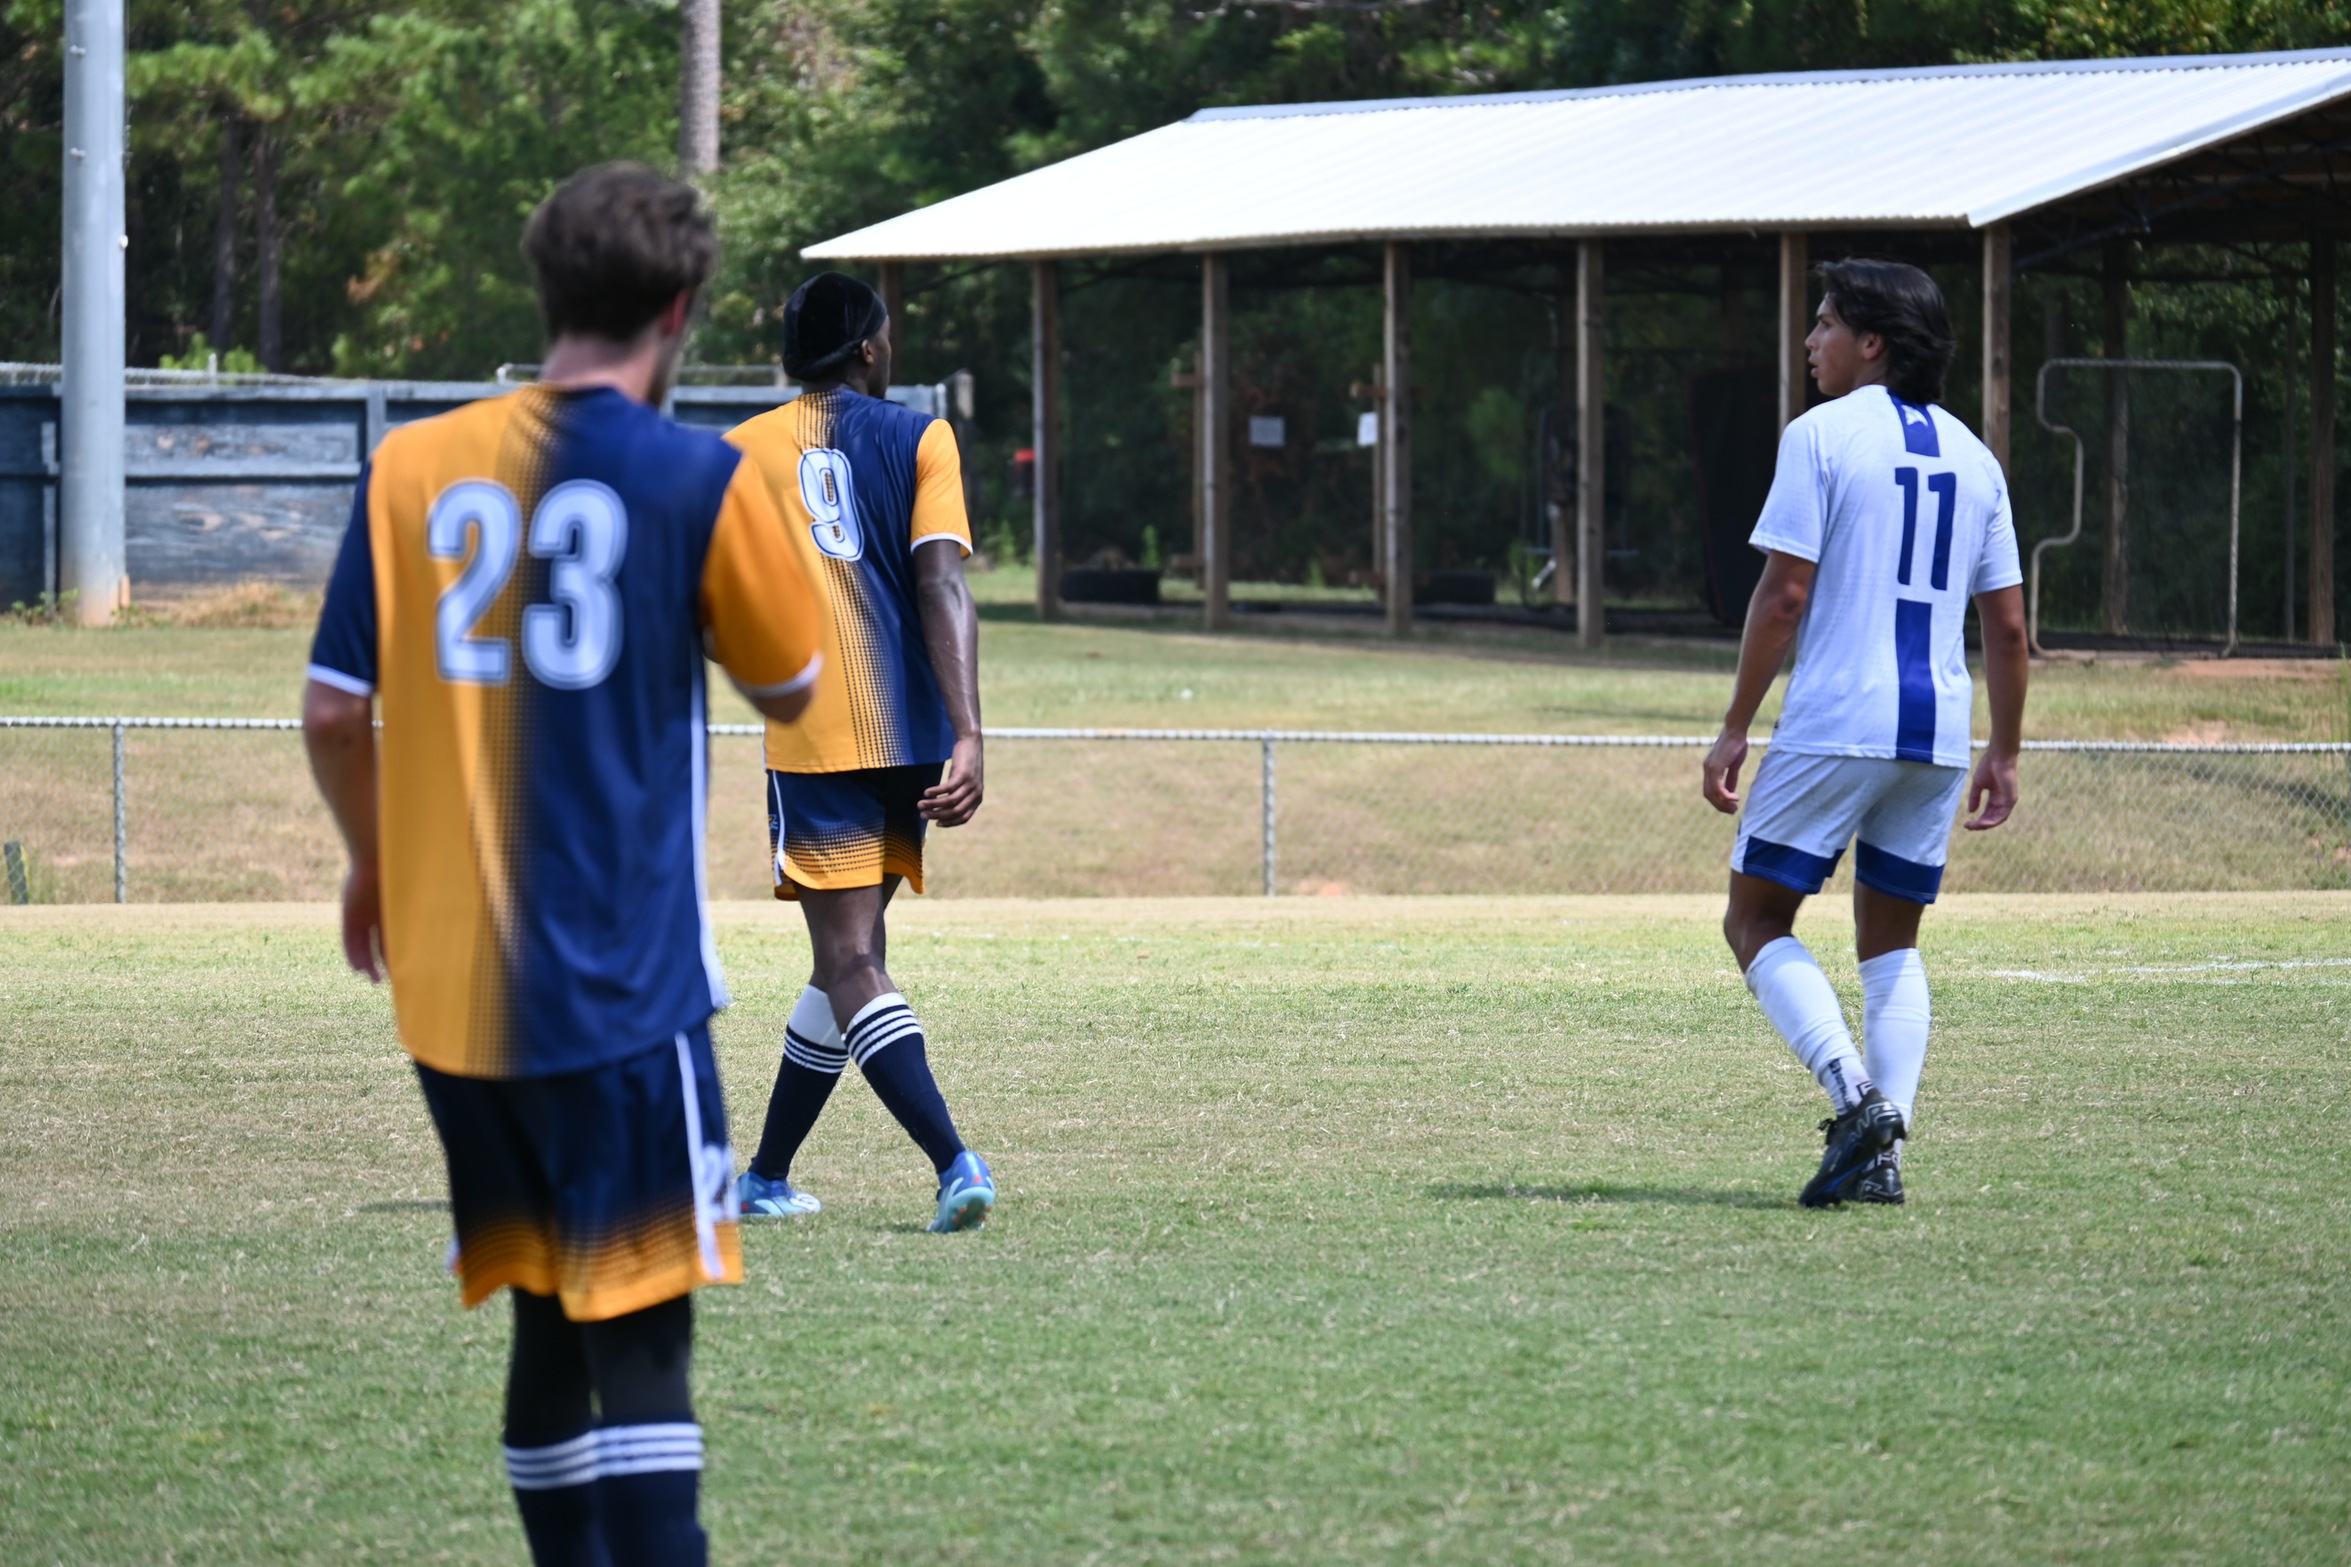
(833, 831)
(611, 1189)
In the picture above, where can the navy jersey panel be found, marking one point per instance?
(880, 439)
(613, 954)
(346, 642)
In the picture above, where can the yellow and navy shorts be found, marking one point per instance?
(611, 1189)
(832, 831)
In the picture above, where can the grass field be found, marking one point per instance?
(1335, 1231)
(214, 817)
(1451, 678)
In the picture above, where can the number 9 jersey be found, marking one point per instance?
(529, 584)
(1906, 514)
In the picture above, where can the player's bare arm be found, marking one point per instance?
(338, 730)
(1773, 615)
(951, 630)
(1991, 790)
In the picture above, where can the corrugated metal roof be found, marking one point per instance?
(1948, 147)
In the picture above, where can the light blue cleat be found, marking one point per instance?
(762, 1198)
(967, 1195)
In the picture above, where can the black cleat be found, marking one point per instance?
(1880, 1180)
(1855, 1139)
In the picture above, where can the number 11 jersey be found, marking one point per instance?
(528, 586)
(1906, 515)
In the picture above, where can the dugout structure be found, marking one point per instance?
(2069, 167)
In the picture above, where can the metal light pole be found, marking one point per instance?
(90, 553)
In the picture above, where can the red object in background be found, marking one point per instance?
(1024, 473)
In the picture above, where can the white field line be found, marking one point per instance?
(2223, 966)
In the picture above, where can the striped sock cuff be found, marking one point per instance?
(882, 1022)
(814, 1055)
(554, 1466)
(648, 1449)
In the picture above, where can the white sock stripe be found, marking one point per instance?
(554, 1466)
(800, 1050)
(648, 1449)
(887, 1000)
(872, 1039)
(868, 1021)
(866, 1046)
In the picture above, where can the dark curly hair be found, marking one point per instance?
(1902, 305)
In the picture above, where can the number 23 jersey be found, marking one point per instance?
(1906, 515)
(529, 585)
(862, 482)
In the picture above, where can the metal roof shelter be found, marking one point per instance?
(2016, 165)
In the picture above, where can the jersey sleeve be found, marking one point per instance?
(765, 620)
(343, 654)
(1997, 567)
(1795, 513)
(938, 489)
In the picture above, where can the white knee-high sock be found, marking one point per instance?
(1894, 1020)
(1797, 998)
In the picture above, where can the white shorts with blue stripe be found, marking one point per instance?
(1801, 811)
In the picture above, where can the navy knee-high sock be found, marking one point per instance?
(550, 1446)
(648, 1445)
(886, 1043)
(813, 1059)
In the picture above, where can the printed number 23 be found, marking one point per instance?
(581, 530)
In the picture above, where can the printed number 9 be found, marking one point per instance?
(830, 495)
(581, 530)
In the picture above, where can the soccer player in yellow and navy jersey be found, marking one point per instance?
(873, 495)
(527, 590)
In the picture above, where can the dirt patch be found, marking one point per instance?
(245, 606)
(2260, 668)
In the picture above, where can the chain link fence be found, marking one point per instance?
(162, 810)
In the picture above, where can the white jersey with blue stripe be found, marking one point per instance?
(1906, 515)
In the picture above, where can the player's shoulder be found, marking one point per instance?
(1962, 444)
(891, 427)
(647, 453)
(768, 428)
(437, 438)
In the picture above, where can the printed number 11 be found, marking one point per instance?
(1945, 488)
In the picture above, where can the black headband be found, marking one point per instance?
(825, 320)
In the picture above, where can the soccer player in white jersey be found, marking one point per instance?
(1886, 516)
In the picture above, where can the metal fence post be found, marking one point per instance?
(122, 828)
(1267, 743)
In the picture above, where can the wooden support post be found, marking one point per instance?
(1045, 439)
(1216, 441)
(1999, 323)
(1795, 326)
(2289, 474)
(1560, 509)
(1396, 437)
(1190, 381)
(2322, 441)
(2114, 597)
(1591, 441)
(1379, 469)
(890, 283)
